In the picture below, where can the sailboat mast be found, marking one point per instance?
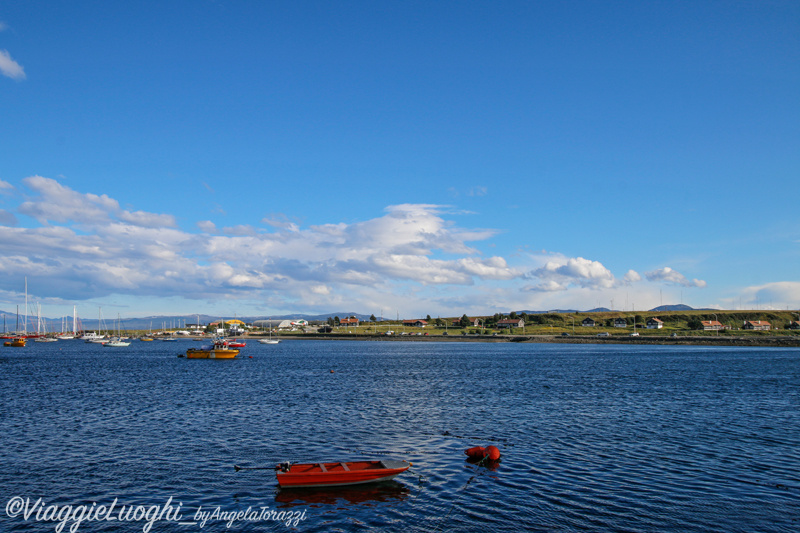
(25, 316)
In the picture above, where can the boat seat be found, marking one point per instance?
(347, 468)
(322, 467)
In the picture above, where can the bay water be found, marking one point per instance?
(593, 437)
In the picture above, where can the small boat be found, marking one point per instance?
(119, 341)
(219, 350)
(45, 339)
(116, 342)
(338, 474)
(18, 342)
(270, 340)
(92, 337)
(237, 344)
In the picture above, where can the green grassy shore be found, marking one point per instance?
(678, 328)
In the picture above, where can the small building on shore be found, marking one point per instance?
(793, 325)
(352, 321)
(757, 325)
(415, 323)
(620, 322)
(588, 322)
(511, 323)
(474, 322)
(712, 325)
(654, 323)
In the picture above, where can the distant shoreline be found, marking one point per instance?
(726, 340)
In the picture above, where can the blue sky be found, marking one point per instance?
(409, 158)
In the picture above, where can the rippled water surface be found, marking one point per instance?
(600, 438)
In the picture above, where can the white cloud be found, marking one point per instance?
(573, 271)
(281, 222)
(632, 277)
(89, 247)
(667, 275)
(207, 226)
(410, 255)
(547, 286)
(777, 295)
(241, 229)
(11, 68)
(58, 203)
(320, 289)
(148, 220)
(5, 187)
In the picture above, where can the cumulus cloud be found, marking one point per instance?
(632, 277)
(673, 277)
(88, 246)
(207, 226)
(560, 273)
(777, 295)
(57, 203)
(5, 187)
(548, 286)
(10, 68)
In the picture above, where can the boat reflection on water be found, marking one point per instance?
(364, 494)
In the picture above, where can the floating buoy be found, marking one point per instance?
(489, 454)
(478, 452)
(492, 453)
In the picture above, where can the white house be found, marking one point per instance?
(654, 323)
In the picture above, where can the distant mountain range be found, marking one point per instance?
(156, 323)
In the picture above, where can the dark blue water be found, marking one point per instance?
(600, 438)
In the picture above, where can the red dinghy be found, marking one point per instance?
(338, 474)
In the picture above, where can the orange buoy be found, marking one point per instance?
(478, 452)
(492, 453)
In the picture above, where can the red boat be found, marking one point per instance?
(236, 344)
(338, 474)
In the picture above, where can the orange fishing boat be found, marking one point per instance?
(18, 342)
(219, 350)
(338, 474)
